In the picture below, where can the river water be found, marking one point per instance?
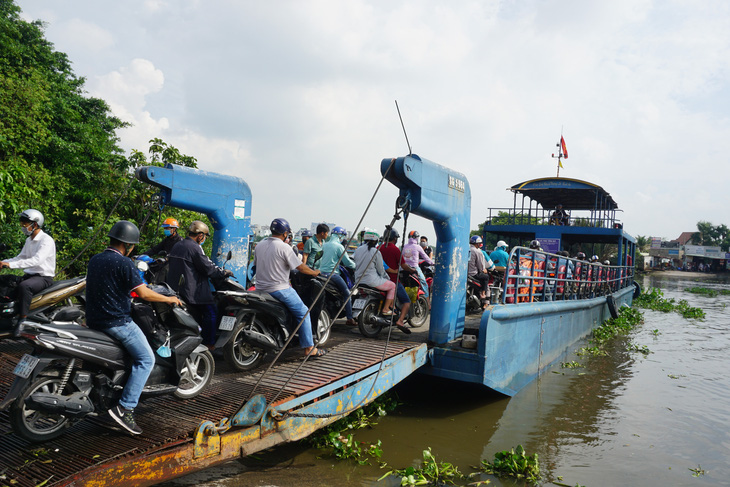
(622, 419)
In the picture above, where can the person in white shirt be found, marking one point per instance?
(37, 259)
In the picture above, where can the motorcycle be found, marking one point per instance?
(333, 300)
(474, 303)
(76, 372)
(62, 300)
(369, 302)
(257, 324)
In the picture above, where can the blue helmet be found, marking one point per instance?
(475, 239)
(279, 226)
(306, 233)
(339, 231)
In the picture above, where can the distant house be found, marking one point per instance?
(684, 238)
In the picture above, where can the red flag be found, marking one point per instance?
(562, 146)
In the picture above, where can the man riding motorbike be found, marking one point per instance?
(37, 258)
(478, 266)
(189, 262)
(111, 277)
(331, 252)
(274, 260)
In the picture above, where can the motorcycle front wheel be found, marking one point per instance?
(240, 354)
(367, 326)
(33, 425)
(323, 328)
(419, 312)
(196, 374)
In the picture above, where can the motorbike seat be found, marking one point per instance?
(370, 287)
(83, 332)
(261, 296)
(62, 284)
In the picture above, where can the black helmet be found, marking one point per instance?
(535, 244)
(279, 226)
(414, 234)
(581, 256)
(125, 231)
(391, 234)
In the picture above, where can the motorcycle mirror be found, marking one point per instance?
(229, 256)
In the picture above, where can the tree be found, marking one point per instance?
(710, 235)
(59, 152)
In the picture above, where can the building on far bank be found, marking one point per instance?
(680, 254)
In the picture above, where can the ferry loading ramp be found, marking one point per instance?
(184, 436)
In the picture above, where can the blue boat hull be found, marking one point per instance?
(517, 342)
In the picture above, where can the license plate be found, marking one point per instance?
(359, 304)
(26, 366)
(227, 323)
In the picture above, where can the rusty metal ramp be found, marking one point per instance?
(176, 440)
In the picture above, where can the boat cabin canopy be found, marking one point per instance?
(573, 194)
(587, 215)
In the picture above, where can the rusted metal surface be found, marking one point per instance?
(95, 452)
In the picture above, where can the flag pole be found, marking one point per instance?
(562, 152)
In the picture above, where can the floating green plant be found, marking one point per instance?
(704, 291)
(514, 463)
(337, 439)
(430, 472)
(654, 299)
(571, 365)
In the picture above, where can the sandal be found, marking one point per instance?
(351, 322)
(388, 312)
(321, 352)
(404, 329)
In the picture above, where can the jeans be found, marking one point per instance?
(341, 286)
(294, 303)
(143, 359)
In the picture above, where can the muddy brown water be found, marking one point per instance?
(622, 419)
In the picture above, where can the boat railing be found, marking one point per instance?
(537, 276)
(541, 216)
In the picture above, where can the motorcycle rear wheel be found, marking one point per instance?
(419, 312)
(196, 374)
(368, 329)
(34, 425)
(240, 354)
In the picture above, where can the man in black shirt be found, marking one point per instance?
(110, 278)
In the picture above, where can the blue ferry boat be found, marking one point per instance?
(549, 301)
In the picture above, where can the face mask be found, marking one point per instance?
(167, 232)
(202, 242)
(27, 230)
(424, 244)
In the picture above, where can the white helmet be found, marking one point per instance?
(502, 243)
(33, 216)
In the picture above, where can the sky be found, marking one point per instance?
(298, 97)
